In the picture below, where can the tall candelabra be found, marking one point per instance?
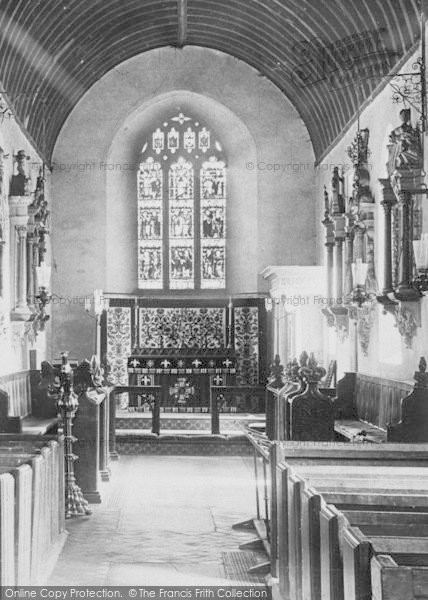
(75, 503)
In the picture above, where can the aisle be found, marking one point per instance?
(164, 520)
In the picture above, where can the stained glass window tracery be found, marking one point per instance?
(182, 208)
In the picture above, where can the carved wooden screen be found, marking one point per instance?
(182, 208)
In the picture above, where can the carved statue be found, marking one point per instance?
(20, 184)
(49, 378)
(407, 151)
(97, 372)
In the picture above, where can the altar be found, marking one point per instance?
(178, 382)
(165, 330)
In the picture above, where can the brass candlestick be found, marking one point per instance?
(75, 503)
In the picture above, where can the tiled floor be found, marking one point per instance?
(164, 520)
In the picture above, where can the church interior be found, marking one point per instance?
(213, 272)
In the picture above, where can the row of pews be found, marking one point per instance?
(340, 520)
(28, 405)
(300, 407)
(350, 524)
(32, 522)
(343, 521)
(37, 462)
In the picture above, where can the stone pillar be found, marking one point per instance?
(31, 280)
(406, 263)
(339, 239)
(21, 307)
(387, 203)
(36, 263)
(18, 207)
(347, 280)
(329, 244)
(404, 182)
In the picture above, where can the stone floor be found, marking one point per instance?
(164, 520)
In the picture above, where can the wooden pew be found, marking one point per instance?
(86, 428)
(314, 563)
(313, 527)
(355, 496)
(369, 404)
(399, 578)
(24, 406)
(413, 426)
(366, 408)
(359, 547)
(32, 531)
(295, 453)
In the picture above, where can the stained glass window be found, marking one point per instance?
(182, 208)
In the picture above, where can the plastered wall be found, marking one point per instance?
(271, 213)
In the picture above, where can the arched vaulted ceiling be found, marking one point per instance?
(327, 56)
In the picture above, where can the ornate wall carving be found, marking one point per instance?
(246, 328)
(129, 329)
(182, 328)
(118, 343)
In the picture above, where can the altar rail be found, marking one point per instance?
(227, 399)
(32, 526)
(244, 399)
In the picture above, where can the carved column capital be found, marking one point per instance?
(22, 231)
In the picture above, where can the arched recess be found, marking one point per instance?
(270, 171)
(122, 166)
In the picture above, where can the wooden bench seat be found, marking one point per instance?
(366, 406)
(24, 406)
(38, 426)
(360, 431)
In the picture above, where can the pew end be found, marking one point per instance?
(396, 578)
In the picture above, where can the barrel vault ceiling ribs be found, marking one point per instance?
(326, 56)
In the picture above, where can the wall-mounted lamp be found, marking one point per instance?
(359, 276)
(420, 250)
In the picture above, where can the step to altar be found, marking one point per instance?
(183, 422)
(182, 434)
(184, 444)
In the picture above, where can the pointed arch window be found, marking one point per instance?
(182, 208)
